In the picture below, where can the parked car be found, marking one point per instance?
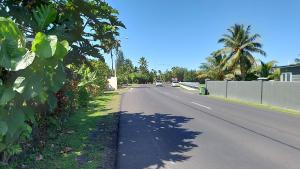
(175, 84)
(159, 83)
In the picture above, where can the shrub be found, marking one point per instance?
(29, 80)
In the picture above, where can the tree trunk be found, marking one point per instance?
(243, 73)
(112, 62)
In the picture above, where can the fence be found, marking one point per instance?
(281, 94)
(194, 85)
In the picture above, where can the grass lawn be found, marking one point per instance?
(261, 106)
(85, 137)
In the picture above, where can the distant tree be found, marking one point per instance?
(124, 68)
(143, 65)
(213, 68)
(239, 45)
(178, 72)
(120, 60)
(190, 76)
(167, 76)
(265, 69)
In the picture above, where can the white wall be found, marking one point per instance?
(113, 83)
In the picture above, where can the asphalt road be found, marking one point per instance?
(169, 128)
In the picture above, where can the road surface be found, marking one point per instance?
(168, 128)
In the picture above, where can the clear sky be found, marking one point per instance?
(184, 32)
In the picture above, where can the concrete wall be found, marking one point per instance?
(281, 94)
(296, 78)
(216, 88)
(244, 90)
(113, 83)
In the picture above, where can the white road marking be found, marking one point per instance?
(202, 105)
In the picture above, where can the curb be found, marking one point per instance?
(117, 133)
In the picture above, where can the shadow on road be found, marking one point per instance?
(149, 141)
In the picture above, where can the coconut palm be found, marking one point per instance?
(239, 45)
(213, 67)
(265, 68)
(143, 65)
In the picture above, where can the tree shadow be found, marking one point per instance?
(149, 141)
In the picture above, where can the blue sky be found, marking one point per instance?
(184, 32)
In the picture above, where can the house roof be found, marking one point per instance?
(288, 66)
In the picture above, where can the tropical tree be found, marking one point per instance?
(178, 72)
(124, 68)
(213, 67)
(167, 76)
(91, 27)
(120, 60)
(267, 70)
(190, 76)
(29, 79)
(239, 46)
(143, 65)
(264, 70)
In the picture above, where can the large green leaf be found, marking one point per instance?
(29, 114)
(58, 78)
(43, 16)
(25, 61)
(6, 95)
(62, 49)
(12, 44)
(3, 128)
(44, 46)
(52, 101)
(17, 85)
(30, 85)
(15, 121)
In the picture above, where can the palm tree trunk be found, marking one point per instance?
(112, 62)
(243, 73)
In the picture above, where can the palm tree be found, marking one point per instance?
(213, 67)
(265, 69)
(239, 45)
(143, 65)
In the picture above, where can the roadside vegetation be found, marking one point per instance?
(127, 73)
(235, 61)
(260, 106)
(84, 140)
(52, 71)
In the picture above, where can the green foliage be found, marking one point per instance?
(43, 16)
(143, 65)
(265, 69)
(41, 76)
(178, 72)
(213, 68)
(124, 69)
(69, 20)
(12, 43)
(83, 97)
(190, 76)
(35, 91)
(239, 45)
(92, 77)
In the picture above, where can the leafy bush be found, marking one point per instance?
(29, 81)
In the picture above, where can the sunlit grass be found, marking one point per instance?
(261, 106)
(82, 123)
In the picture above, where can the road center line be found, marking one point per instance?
(202, 105)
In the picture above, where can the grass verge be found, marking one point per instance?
(256, 105)
(86, 140)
